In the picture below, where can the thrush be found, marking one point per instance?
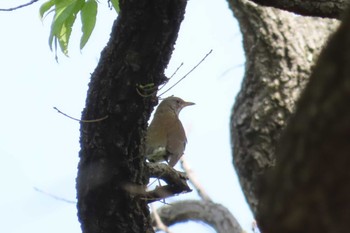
(166, 139)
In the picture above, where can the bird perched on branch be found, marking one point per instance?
(166, 139)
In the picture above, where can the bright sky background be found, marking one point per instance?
(39, 147)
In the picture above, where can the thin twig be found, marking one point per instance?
(159, 223)
(54, 196)
(84, 121)
(188, 72)
(20, 6)
(231, 68)
(193, 179)
(177, 69)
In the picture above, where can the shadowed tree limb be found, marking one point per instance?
(205, 210)
(318, 8)
(281, 49)
(213, 214)
(309, 189)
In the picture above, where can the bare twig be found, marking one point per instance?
(84, 121)
(159, 224)
(193, 179)
(54, 196)
(230, 69)
(200, 62)
(20, 6)
(177, 69)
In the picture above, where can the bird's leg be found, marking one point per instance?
(160, 185)
(167, 157)
(175, 182)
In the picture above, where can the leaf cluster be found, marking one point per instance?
(66, 12)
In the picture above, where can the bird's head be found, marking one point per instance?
(173, 103)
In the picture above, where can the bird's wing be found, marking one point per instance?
(156, 141)
(176, 143)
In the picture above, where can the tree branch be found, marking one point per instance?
(281, 50)
(20, 6)
(158, 222)
(215, 215)
(319, 8)
(193, 179)
(54, 196)
(309, 189)
(176, 182)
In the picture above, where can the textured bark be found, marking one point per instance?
(176, 182)
(215, 215)
(280, 49)
(139, 49)
(320, 8)
(309, 189)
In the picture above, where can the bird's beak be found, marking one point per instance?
(185, 104)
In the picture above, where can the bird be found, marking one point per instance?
(166, 138)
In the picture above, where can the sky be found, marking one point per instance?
(39, 147)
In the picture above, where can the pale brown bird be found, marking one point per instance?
(166, 139)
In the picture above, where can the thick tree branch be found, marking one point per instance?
(205, 210)
(215, 215)
(159, 225)
(319, 8)
(309, 189)
(280, 52)
(176, 182)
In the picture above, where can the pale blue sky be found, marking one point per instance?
(39, 147)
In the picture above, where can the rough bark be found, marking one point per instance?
(320, 8)
(280, 51)
(139, 49)
(176, 182)
(309, 189)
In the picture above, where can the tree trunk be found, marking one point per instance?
(309, 189)
(111, 158)
(280, 49)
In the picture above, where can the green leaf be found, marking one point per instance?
(65, 15)
(61, 27)
(45, 7)
(64, 34)
(88, 19)
(59, 19)
(115, 4)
